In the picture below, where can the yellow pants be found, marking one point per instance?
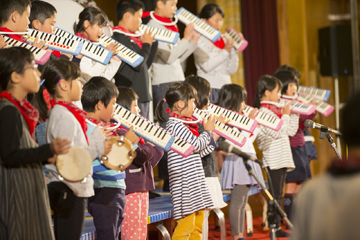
(189, 227)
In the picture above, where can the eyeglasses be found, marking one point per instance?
(33, 66)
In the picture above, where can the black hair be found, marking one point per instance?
(349, 121)
(54, 71)
(126, 97)
(210, 10)
(93, 15)
(12, 60)
(203, 89)
(97, 89)
(265, 82)
(41, 11)
(155, 2)
(289, 69)
(286, 78)
(124, 6)
(10, 6)
(175, 92)
(231, 96)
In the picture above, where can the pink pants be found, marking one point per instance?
(134, 225)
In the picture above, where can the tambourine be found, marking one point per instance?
(74, 166)
(121, 155)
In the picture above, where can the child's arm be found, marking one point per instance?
(157, 156)
(96, 143)
(11, 131)
(94, 68)
(154, 48)
(294, 124)
(233, 62)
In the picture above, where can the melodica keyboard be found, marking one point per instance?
(265, 119)
(89, 49)
(162, 35)
(41, 56)
(235, 119)
(222, 129)
(125, 54)
(55, 42)
(239, 41)
(321, 106)
(298, 107)
(200, 26)
(319, 93)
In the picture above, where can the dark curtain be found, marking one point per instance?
(259, 26)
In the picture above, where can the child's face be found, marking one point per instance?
(106, 113)
(76, 90)
(49, 25)
(94, 32)
(134, 107)
(216, 21)
(23, 21)
(168, 9)
(274, 95)
(30, 80)
(188, 111)
(135, 21)
(291, 90)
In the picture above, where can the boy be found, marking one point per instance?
(107, 206)
(43, 16)
(129, 14)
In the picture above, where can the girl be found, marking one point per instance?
(234, 175)
(208, 161)
(139, 176)
(275, 145)
(68, 199)
(89, 26)
(24, 201)
(215, 61)
(189, 192)
(302, 171)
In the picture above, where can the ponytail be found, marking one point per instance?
(40, 103)
(257, 103)
(159, 112)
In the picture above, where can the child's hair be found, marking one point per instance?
(12, 60)
(124, 6)
(203, 89)
(10, 6)
(349, 121)
(265, 82)
(54, 71)
(210, 10)
(93, 15)
(98, 89)
(41, 11)
(155, 2)
(126, 97)
(231, 96)
(289, 69)
(175, 92)
(286, 78)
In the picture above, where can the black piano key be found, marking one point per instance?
(148, 124)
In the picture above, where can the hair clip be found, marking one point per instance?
(164, 99)
(42, 82)
(60, 81)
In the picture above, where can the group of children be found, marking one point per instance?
(77, 110)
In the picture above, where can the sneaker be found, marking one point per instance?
(280, 233)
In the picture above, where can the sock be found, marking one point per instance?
(288, 204)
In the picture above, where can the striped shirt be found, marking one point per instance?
(275, 145)
(188, 188)
(298, 139)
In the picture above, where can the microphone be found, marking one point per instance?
(311, 124)
(227, 147)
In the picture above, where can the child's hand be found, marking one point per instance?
(209, 125)
(147, 37)
(60, 146)
(107, 147)
(70, 56)
(150, 144)
(52, 160)
(253, 113)
(80, 56)
(131, 136)
(39, 44)
(312, 102)
(107, 133)
(286, 109)
(112, 46)
(189, 31)
(195, 37)
(229, 44)
(222, 119)
(2, 42)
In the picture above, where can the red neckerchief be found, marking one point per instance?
(137, 40)
(345, 166)
(273, 108)
(16, 37)
(79, 34)
(220, 43)
(104, 124)
(173, 28)
(56, 53)
(28, 111)
(193, 127)
(79, 114)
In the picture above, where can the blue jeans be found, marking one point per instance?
(40, 136)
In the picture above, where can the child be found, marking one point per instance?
(68, 199)
(42, 16)
(302, 171)
(234, 175)
(189, 192)
(139, 176)
(24, 201)
(128, 13)
(107, 206)
(275, 145)
(89, 26)
(215, 61)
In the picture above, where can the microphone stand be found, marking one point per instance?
(323, 134)
(273, 204)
